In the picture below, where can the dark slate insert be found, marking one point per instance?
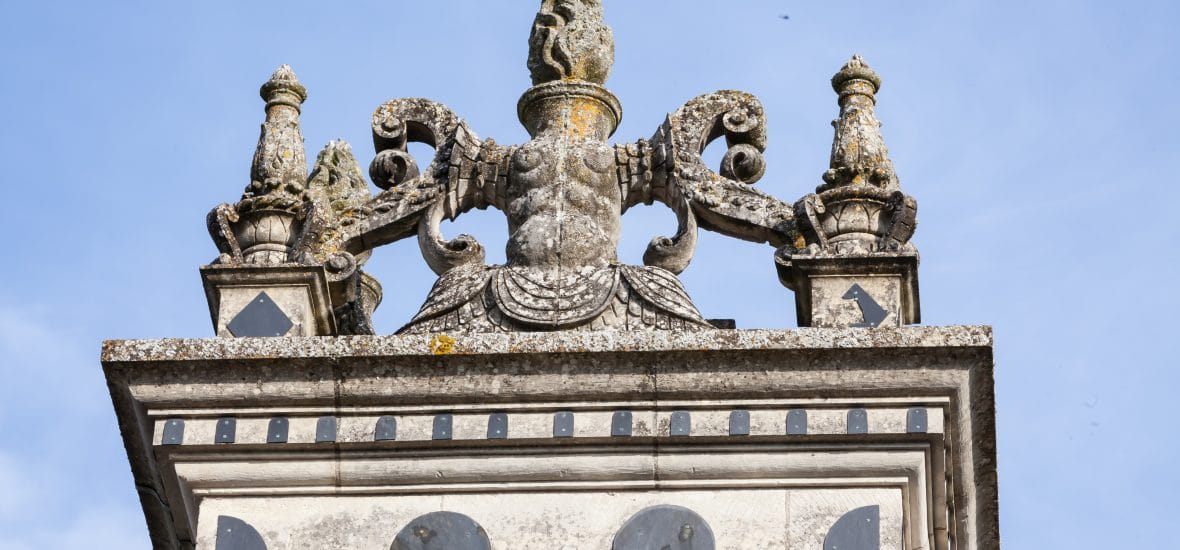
(563, 424)
(325, 429)
(620, 424)
(858, 421)
(226, 430)
(681, 424)
(739, 423)
(173, 432)
(915, 421)
(498, 426)
(386, 429)
(276, 431)
(442, 426)
(262, 317)
(797, 422)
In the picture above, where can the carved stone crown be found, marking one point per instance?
(563, 192)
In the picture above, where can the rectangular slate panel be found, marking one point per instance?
(858, 421)
(386, 429)
(563, 424)
(620, 424)
(276, 431)
(498, 426)
(226, 430)
(442, 427)
(797, 422)
(173, 432)
(739, 423)
(681, 424)
(915, 421)
(325, 429)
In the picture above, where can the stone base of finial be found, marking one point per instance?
(257, 301)
(869, 291)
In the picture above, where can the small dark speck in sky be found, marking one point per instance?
(784, 17)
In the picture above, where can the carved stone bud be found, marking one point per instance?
(570, 41)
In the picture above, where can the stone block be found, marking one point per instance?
(255, 295)
(864, 291)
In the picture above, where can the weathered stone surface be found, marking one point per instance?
(527, 377)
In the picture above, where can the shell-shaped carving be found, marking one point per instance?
(553, 298)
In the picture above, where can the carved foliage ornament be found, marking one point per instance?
(563, 192)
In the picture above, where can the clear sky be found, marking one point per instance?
(1037, 137)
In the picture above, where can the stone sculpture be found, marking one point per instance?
(563, 192)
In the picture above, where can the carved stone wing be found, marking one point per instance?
(724, 202)
(669, 168)
(465, 173)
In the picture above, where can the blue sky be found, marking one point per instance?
(1036, 136)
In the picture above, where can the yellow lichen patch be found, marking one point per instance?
(584, 118)
(442, 344)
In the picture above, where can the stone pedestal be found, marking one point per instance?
(865, 291)
(808, 438)
(280, 300)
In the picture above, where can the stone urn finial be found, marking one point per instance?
(859, 209)
(263, 226)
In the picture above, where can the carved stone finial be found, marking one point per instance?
(859, 209)
(263, 226)
(853, 263)
(859, 155)
(570, 41)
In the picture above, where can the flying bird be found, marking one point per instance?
(784, 17)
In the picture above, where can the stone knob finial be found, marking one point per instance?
(855, 70)
(283, 88)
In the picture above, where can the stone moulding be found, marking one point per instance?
(527, 378)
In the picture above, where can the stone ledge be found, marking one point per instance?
(174, 349)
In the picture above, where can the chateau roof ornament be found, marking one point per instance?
(563, 192)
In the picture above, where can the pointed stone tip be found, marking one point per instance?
(856, 69)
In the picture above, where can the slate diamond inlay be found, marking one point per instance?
(262, 317)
